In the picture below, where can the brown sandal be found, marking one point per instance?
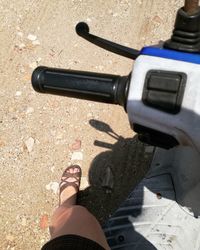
(64, 183)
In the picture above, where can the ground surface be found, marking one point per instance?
(41, 134)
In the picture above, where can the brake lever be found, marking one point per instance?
(82, 29)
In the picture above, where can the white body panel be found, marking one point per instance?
(163, 211)
(184, 126)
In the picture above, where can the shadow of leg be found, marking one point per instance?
(128, 163)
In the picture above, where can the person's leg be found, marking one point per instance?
(70, 218)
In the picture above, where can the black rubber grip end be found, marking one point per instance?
(36, 78)
(82, 28)
(80, 84)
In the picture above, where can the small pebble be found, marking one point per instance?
(36, 42)
(32, 37)
(29, 110)
(89, 20)
(77, 156)
(76, 145)
(42, 241)
(37, 141)
(22, 70)
(29, 144)
(89, 115)
(23, 223)
(54, 186)
(20, 34)
(39, 59)
(33, 65)
(52, 169)
(115, 14)
(18, 93)
(157, 19)
(21, 46)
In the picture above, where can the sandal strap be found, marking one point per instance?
(66, 175)
(71, 175)
(67, 184)
(66, 181)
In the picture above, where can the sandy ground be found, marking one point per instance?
(42, 134)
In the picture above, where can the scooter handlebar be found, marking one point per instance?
(79, 84)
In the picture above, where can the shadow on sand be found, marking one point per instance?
(114, 173)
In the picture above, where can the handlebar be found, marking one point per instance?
(80, 84)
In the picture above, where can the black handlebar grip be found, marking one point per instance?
(84, 85)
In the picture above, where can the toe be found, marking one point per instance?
(71, 170)
(76, 170)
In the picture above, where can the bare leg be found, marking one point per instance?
(69, 218)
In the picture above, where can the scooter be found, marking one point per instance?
(162, 99)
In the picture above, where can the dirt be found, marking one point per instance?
(42, 134)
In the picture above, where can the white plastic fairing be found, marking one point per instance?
(163, 211)
(184, 126)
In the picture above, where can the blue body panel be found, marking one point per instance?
(171, 54)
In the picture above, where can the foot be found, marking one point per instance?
(69, 185)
